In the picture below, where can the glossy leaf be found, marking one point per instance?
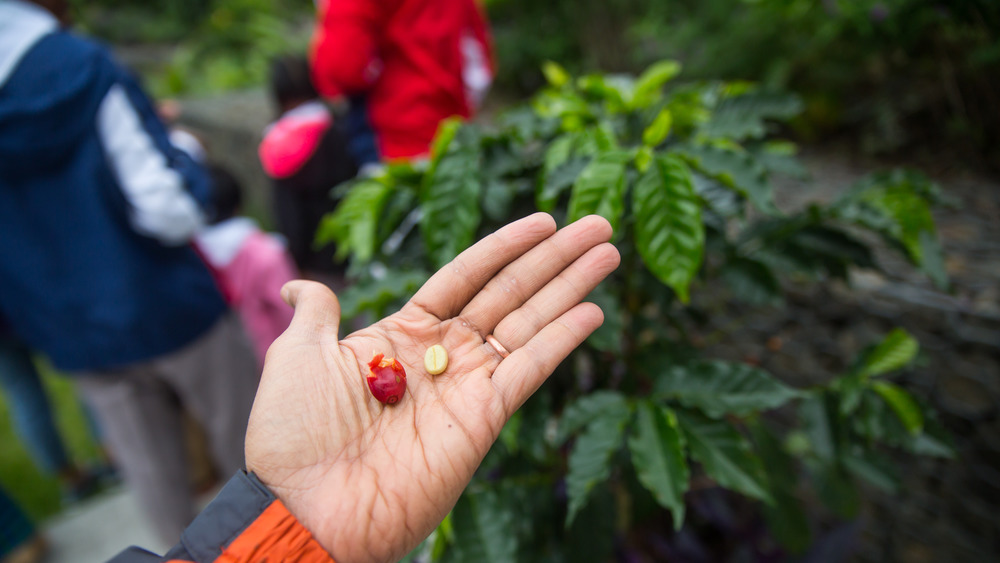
(378, 295)
(744, 116)
(724, 454)
(669, 233)
(590, 460)
(551, 183)
(895, 351)
(720, 388)
(353, 225)
(450, 199)
(643, 158)
(650, 83)
(608, 336)
(735, 169)
(751, 281)
(592, 535)
(600, 189)
(903, 404)
(555, 74)
(897, 205)
(589, 407)
(658, 130)
(933, 259)
(482, 523)
(658, 455)
(443, 137)
(786, 518)
(817, 423)
(835, 488)
(872, 469)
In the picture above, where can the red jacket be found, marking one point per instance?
(417, 62)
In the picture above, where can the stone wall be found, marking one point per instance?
(946, 509)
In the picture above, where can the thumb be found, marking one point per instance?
(316, 307)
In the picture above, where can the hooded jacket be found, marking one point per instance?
(407, 64)
(96, 206)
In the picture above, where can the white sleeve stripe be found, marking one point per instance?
(160, 206)
(476, 74)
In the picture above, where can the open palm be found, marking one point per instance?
(370, 481)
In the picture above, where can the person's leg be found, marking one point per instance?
(15, 527)
(30, 408)
(216, 379)
(139, 416)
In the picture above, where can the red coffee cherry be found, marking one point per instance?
(386, 379)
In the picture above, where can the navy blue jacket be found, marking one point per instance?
(96, 206)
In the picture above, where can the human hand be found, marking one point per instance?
(371, 481)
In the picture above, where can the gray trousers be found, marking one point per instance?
(139, 409)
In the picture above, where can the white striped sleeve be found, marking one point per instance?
(160, 206)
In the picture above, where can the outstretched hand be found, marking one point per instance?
(371, 481)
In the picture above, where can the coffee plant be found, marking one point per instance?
(637, 429)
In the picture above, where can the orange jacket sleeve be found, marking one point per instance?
(244, 523)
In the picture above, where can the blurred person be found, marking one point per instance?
(249, 264)
(332, 474)
(304, 153)
(97, 210)
(405, 66)
(35, 424)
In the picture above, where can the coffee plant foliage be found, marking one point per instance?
(637, 422)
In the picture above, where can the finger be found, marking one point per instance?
(524, 277)
(561, 294)
(454, 285)
(316, 307)
(524, 371)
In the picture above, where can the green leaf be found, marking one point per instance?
(658, 129)
(450, 199)
(835, 488)
(724, 454)
(614, 90)
(375, 296)
(903, 404)
(933, 259)
(876, 471)
(743, 117)
(555, 74)
(550, 185)
(786, 518)
(878, 422)
(600, 189)
(608, 336)
(650, 83)
(736, 169)
(895, 351)
(817, 424)
(592, 535)
(482, 526)
(720, 388)
(579, 413)
(896, 205)
(657, 447)
(590, 460)
(643, 159)
(669, 233)
(446, 132)
(751, 281)
(354, 223)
